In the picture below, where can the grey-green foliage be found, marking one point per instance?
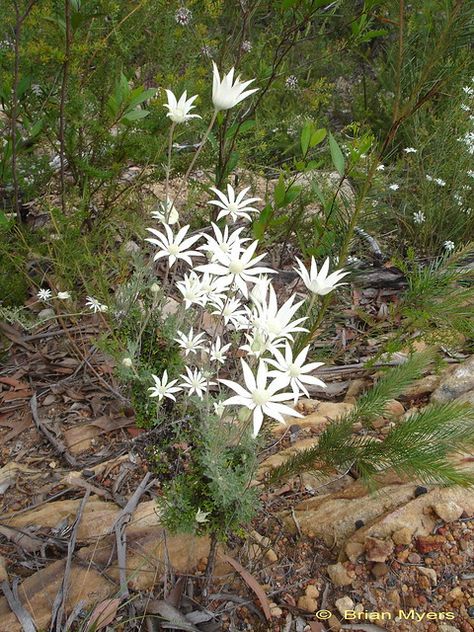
(418, 447)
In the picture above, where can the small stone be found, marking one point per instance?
(402, 536)
(414, 558)
(378, 550)
(344, 604)
(46, 313)
(394, 408)
(380, 569)
(428, 543)
(307, 604)
(445, 627)
(338, 574)
(403, 555)
(394, 598)
(275, 610)
(448, 511)
(354, 550)
(333, 624)
(470, 612)
(420, 490)
(311, 591)
(455, 593)
(359, 524)
(430, 573)
(456, 383)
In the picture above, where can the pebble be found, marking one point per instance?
(414, 558)
(307, 603)
(275, 610)
(311, 591)
(333, 624)
(448, 511)
(378, 550)
(380, 569)
(339, 575)
(428, 543)
(402, 536)
(343, 604)
(455, 593)
(430, 574)
(354, 550)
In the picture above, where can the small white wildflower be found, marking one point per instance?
(394, 187)
(201, 516)
(440, 182)
(63, 296)
(429, 178)
(44, 294)
(246, 46)
(127, 363)
(291, 83)
(95, 306)
(465, 107)
(449, 245)
(419, 217)
(410, 150)
(381, 168)
(163, 387)
(470, 173)
(183, 16)
(155, 288)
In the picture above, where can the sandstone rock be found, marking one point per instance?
(393, 597)
(378, 550)
(380, 570)
(455, 383)
(394, 408)
(455, 593)
(324, 412)
(448, 511)
(467, 398)
(275, 460)
(402, 536)
(311, 591)
(422, 387)
(354, 550)
(445, 627)
(429, 543)
(339, 575)
(333, 624)
(430, 573)
(343, 604)
(275, 610)
(307, 603)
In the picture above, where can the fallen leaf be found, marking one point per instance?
(104, 613)
(252, 583)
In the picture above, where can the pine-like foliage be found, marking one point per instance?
(419, 447)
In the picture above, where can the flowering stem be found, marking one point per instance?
(195, 157)
(168, 207)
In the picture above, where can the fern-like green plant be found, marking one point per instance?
(419, 447)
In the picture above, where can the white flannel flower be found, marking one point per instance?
(276, 322)
(449, 245)
(228, 93)
(201, 516)
(239, 266)
(166, 213)
(189, 342)
(179, 111)
(95, 306)
(429, 178)
(260, 397)
(394, 187)
(44, 294)
(219, 408)
(440, 182)
(212, 288)
(380, 168)
(217, 352)
(63, 296)
(295, 370)
(191, 290)
(410, 150)
(163, 387)
(230, 310)
(127, 363)
(174, 247)
(195, 382)
(259, 343)
(320, 282)
(222, 242)
(419, 217)
(234, 205)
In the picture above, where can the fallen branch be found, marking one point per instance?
(119, 527)
(57, 444)
(60, 599)
(23, 616)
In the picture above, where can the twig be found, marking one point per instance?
(120, 533)
(17, 607)
(57, 444)
(295, 520)
(60, 599)
(62, 102)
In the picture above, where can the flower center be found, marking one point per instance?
(236, 266)
(173, 249)
(233, 208)
(261, 396)
(273, 326)
(293, 370)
